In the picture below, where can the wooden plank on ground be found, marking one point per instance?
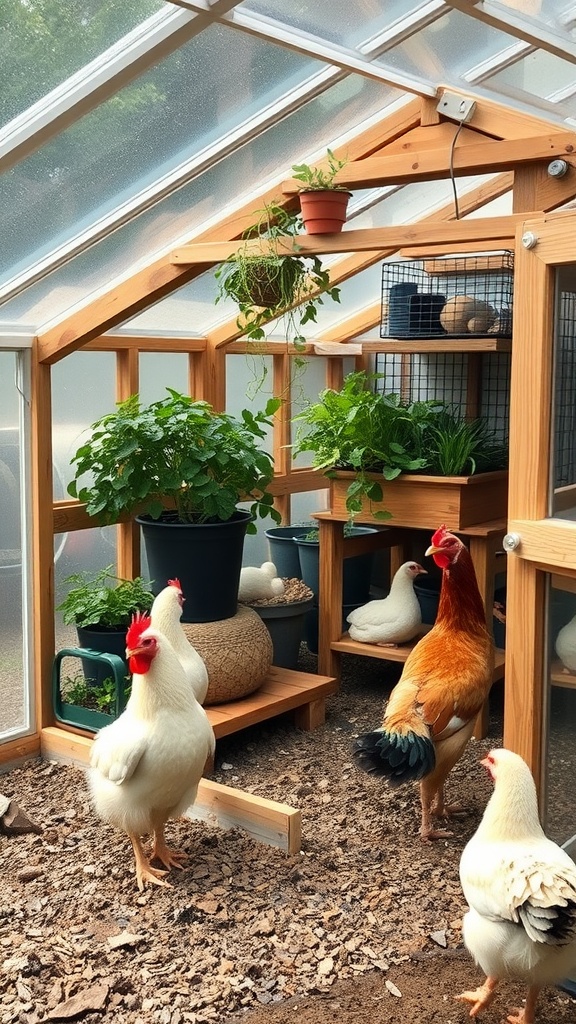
(265, 820)
(272, 823)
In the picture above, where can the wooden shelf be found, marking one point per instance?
(425, 346)
(348, 646)
(283, 690)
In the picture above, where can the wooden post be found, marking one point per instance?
(128, 533)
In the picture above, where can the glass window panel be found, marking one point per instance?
(13, 699)
(447, 48)
(564, 414)
(160, 370)
(197, 94)
(312, 128)
(551, 12)
(43, 44)
(560, 753)
(348, 24)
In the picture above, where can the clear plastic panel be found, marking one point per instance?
(561, 717)
(563, 482)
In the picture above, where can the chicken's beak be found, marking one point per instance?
(131, 651)
(421, 570)
(432, 550)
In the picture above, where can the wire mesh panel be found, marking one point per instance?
(475, 385)
(459, 296)
(564, 404)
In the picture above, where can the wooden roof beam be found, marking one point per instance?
(433, 165)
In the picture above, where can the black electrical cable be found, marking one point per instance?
(451, 168)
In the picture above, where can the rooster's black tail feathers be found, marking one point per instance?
(400, 758)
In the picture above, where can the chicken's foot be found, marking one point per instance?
(144, 870)
(162, 852)
(527, 1015)
(427, 831)
(480, 997)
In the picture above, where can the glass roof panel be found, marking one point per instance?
(447, 48)
(43, 44)
(348, 24)
(204, 89)
(175, 219)
(537, 74)
(551, 12)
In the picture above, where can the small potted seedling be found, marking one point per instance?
(323, 203)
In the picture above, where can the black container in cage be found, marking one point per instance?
(449, 296)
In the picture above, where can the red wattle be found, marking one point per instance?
(139, 664)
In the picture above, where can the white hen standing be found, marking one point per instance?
(146, 766)
(394, 619)
(521, 891)
(166, 613)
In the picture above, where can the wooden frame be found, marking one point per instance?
(496, 138)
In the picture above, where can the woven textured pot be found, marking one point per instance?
(237, 653)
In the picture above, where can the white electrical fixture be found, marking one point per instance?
(456, 107)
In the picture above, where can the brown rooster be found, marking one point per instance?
(431, 712)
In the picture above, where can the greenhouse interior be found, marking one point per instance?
(155, 152)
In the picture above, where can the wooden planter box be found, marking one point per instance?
(417, 500)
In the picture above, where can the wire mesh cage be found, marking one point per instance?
(474, 384)
(458, 296)
(564, 404)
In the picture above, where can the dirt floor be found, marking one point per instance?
(362, 926)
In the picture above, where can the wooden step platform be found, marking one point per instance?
(283, 690)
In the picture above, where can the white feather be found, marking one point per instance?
(394, 619)
(166, 614)
(257, 584)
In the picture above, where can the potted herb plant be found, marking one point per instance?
(322, 203)
(101, 605)
(266, 284)
(89, 701)
(182, 468)
(418, 463)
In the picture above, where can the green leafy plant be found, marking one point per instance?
(75, 690)
(320, 178)
(104, 599)
(204, 462)
(266, 284)
(361, 429)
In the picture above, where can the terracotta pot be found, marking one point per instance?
(324, 212)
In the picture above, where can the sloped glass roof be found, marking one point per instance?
(130, 127)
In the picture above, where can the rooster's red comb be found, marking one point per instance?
(175, 583)
(140, 623)
(439, 536)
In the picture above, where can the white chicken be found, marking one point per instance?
(165, 614)
(258, 583)
(566, 645)
(146, 766)
(521, 891)
(394, 619)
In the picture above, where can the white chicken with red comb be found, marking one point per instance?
(146, 766)
(521, 891)
(166, 613)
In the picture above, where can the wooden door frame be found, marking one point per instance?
(542, 244)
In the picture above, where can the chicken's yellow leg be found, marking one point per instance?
(427, 795)
(144, 870)
(481, 997)
(162, 852)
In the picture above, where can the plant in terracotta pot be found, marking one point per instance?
(323, 204)
(182, 468)
(381, 440)
(266, 284)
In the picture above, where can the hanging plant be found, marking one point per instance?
(266, 284)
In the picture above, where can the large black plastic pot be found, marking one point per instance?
(283, 551)
(285, 623)
(205, 557)
(105, 640)
(357, 571)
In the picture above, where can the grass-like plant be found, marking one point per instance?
(458, 446)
